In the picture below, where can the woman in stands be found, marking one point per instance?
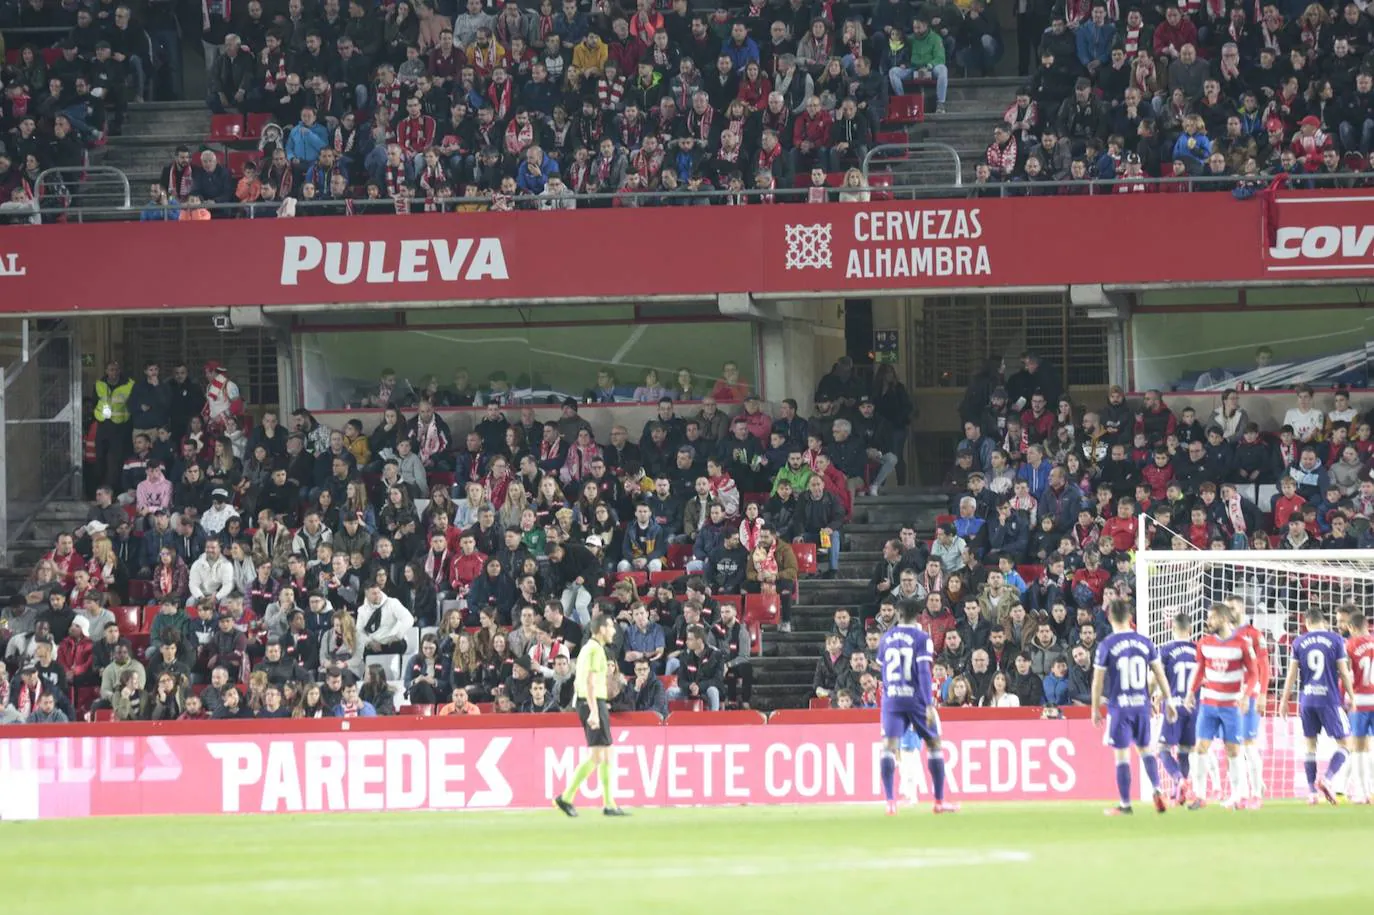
(389, 431)
(997, 696)
(224, 469)
(496, 482)
(427, 674)
(165, 701)
(340, 645)
(515, 447)
(549, 501)
(193, 491)
(604, 526)
(439, 501)
(466, 668)
(398, 519)
(376, 690)
(584, 513)
(419, 595)
(497, 667)
(464, 514)
(650, 391)
(329, 512)
(1230, 417)
(685, 390)
(41, 583)
(311, 704)
(171, 577)
(244, 569)
(107, 573)
(356, 505)
(514, 505)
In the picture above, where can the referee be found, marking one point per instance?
(590, 686)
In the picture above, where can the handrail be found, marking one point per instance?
(27, 521)
(86, 180)
(885, 152)
(1087, 187)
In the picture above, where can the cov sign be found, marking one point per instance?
(684, 252)
(1323, 234)
(477, 768)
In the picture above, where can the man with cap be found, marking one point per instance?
(517, 685)
(220, 511)
(222, 398)
(76, 654)
(876, 435)
(569, 424)
(212, 575)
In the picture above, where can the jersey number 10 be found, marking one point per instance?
(1130, 671)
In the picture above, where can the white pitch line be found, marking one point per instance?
(700, 868)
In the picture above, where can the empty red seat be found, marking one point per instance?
(236, 159)
(665, 577)
(106, 714)
(254, 123)
(765, 609)
(890, 137)
(806, 557)
(130, 619)
(1030, 572)
(943, 519)
(225, 128)
(905, 109)
(668, 680)
(880, 182)
(140, 591)
(819, 702)
(685, 705)
(424, 711)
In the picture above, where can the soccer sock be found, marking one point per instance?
(1199, 768)
(1309, 768)
(603, 773)
(887, 766)
(1185, 761)
(1236, 771)
(1152, 771)
(1368, 773)
(1334, 766)
(1354, 781)
(1171, 765)
(1123, 782)
(583, 772)
(1255, 761)
(936, 765)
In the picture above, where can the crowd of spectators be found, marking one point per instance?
(231, 568)
(1240, 92)
(404, 107)
(1043, 519)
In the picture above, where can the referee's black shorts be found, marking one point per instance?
(599, 736)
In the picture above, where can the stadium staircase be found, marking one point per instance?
(783, 673)
(154, 129)
(37, 539)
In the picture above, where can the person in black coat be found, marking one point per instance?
(701, 671)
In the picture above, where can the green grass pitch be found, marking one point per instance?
(1021, 859)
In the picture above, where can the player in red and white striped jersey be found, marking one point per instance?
(1360, 649)
(1252, 708)
(1226, 674)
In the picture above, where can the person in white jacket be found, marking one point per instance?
(383, 622)
(212, 576)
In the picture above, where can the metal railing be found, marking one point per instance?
(916, 164)
(40, 427)
(680, 197)
(80, 190)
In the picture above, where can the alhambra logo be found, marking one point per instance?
(808, 247)
(10, 266)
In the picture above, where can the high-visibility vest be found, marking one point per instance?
(112, 403)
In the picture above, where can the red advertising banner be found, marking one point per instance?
(691, 252)
(132, 770)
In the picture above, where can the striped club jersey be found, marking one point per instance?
(1227, 668)
(1360, 649)
(1260, 649)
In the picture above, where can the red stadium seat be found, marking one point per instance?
(665, 577)
(106, 714)
(225, 128)
(486, 708)
(680, 717)
(83, 697)
(1030, 572)
(685, 705)
(905, 109)
(819, 702)
(878, 180)
(140, 591)
(424, 711)
(130, 619)
(254, 123)
(806, 557)
(762, 608)
(943, 519)
(678, 554)
(138, 643)
(668, 680)
(641, 579)
(236, 159)
(755, 636)
(441, 478)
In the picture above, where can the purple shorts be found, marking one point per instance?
(1128, 727)
(1183, 731)
(896, 722)
(1328, 718)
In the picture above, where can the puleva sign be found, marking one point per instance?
(386, 261)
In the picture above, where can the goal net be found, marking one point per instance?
(1278, 587)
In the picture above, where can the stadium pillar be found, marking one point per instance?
(1115, 309)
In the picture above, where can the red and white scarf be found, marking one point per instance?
(179, 181)
(1235, 515)
(699, 125)
(608, 93)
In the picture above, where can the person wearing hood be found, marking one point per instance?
(492, 589)
(383, 622)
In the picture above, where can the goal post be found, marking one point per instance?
(1278, 587)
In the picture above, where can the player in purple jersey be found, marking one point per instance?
(1320, 668)
(905, 656)
(1180, 659)
(1125, 662)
